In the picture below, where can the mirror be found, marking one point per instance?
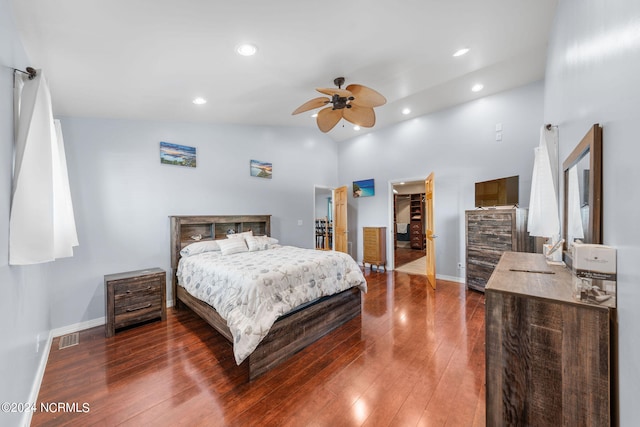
(582, 218)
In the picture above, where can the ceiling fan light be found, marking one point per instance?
(461, 52)
(477, 87)
(356, 127)
(314, 115)
(199, 101)
(246, 49)
(406, 111)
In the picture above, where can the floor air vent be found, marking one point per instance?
(69, 340)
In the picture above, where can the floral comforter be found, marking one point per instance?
(250, 290)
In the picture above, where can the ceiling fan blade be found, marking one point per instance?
(331, 91)
(361, 116)
(328, 118)
(310, 105)
(365, 96)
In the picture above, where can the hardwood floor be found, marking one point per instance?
(414, 358)
(406, 255)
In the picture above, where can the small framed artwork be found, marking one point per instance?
(175, 154)
(261, 169)
(364, 188)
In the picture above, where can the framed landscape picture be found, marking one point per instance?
(364, 188)
(261, 169)
(175, 154)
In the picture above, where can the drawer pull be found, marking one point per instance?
(129, 310)
(148, 288)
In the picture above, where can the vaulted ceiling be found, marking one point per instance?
(148, 59)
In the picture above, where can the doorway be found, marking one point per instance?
(409, 238)
(323, 217)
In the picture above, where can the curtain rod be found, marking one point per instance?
(31, 72)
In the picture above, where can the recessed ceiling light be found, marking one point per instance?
(477, 87)
(199, 101)
(461, 52)
(356, 127)
(246, 49)
(406, 111)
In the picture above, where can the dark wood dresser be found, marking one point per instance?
(549, 358)
(134, 297)
(375, 246)
(489, 233)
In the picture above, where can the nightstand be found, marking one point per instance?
(134, 297)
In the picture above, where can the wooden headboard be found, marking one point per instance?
(209, 228)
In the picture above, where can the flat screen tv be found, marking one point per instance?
(497, 192)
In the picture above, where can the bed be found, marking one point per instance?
(230, 281)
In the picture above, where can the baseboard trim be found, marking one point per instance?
(450, 278)
(54, 333)
(37, 381)
(77, 327)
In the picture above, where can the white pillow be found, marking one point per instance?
(199, 247)
(232, 246)
(260, 243)
(243, 235)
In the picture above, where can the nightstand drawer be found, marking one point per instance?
(123, 291)
(132, 299)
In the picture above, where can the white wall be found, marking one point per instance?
(123, 195)
(24, 306)
(593, 71)
(459, 145)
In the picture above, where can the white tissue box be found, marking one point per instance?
(594, 271)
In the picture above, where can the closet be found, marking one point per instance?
(324, 234)
(409, 220)
(416, 223)
(323, 218)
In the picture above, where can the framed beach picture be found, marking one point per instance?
(364, 188)
(180, 155)
(261, 169)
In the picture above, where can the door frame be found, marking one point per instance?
(390, 206)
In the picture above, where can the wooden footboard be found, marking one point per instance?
(290, 333)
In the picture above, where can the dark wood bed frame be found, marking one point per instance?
(291, 332)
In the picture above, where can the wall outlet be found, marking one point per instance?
(299, 222)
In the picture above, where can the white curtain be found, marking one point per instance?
(42, 225)
(543, 218)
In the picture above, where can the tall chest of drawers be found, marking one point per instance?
(489, 233)
(375, 246)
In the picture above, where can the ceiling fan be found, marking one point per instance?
(354, 103)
